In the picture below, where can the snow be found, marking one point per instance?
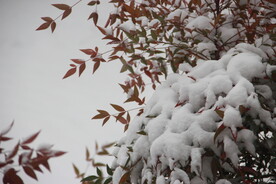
(180, 120)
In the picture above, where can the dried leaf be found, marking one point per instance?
(70, 72)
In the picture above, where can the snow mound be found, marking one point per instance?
(195, 117)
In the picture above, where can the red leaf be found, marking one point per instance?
(122, 120)
(95, 17)
(14, 152)
(30, 172)
(102, 30)
(105, 120)
(66, 13)
(78, 61)
(219, 130)
(5, 131)
(53, 26)
(82, 68)
(47, 19)
(124, 178)
(100, 116)
(118, 108)
(96, 66)
(10, 177)
(128, 117)
(62, 6)
(30, 138)
(58, 153)
(46, 165)
(5, 138)
(92, 3)
(88, 51)
(70, 72)
(43, 26)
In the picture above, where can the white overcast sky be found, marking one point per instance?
(33, 93)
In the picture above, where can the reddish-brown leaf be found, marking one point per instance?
(82, 68)
(102, 30)
(96, 66)
(218, 131)
(128, 117)
(95, 17)
(66, 13)
(124, 178)
(43, 26)
(70, 72)
(100, 116)
(14, 152)
(30, 172)
(88, 51)
(58, 153)
(62, 6)
(30, 138)
(10, 177)
(105, 120)
(5, 131)
(92, 3)
(53, 26)
(122, 120)
(47, 19)
(5, 138)
(126, 127)
(46, 164)
(78, 61)
(118, 108)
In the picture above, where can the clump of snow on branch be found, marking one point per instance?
(182, 119)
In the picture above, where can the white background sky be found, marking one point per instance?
(33, 92)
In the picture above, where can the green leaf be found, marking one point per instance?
(89, 178)
(109, 170)
(142, 132)
(99, 172)
(108, 180)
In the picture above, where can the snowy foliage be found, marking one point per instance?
(197, 117)
(213, 118)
